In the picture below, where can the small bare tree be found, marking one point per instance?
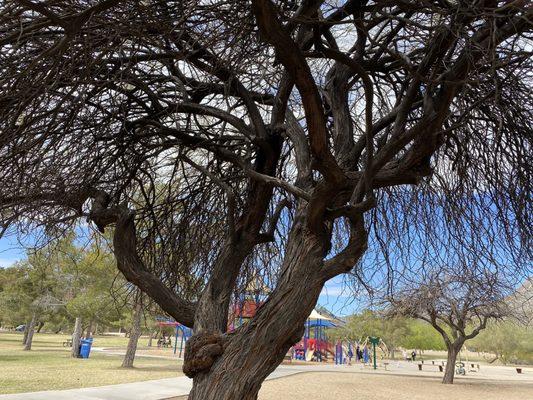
(457, 301)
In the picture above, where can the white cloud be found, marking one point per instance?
(336, 291)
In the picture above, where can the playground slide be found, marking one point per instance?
(309, 355)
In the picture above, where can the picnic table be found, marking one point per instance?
(440, 367)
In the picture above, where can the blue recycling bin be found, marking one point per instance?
(85, 347)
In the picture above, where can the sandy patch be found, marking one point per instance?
(354, 386)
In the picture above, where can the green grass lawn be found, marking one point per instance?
(48, 366)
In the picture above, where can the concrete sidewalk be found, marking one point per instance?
(147, 390)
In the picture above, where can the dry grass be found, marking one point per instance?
(48, 366)
(349, 386)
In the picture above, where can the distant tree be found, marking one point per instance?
(13, 301)
(509, 342)
(360, 326)
(135, 332)
(152, 311)
(31, 291)
(421, 335)
(76, 337)
(457, 301)
(95, 293)
(59, 283)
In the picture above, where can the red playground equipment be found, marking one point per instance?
(315, 346)
(313, 350)
(182, 334)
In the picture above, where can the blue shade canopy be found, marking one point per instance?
(317, 319)
(320, 322)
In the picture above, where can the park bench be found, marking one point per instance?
(428, 366)
(474, 367)
(67, 343)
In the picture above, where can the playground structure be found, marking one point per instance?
(242, 312)
(314, 345)
(248, 303)
(364, 351)
(345, 351)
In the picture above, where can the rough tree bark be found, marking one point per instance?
(268, 338)
(76, 336)
(135, 333)
(31, 330)
(247, 356)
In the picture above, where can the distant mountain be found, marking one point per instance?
(521, 302)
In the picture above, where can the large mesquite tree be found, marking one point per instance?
(221, 141)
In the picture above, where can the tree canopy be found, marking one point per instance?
(60, 282)
(225, 140)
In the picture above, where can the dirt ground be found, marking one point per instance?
(351, 386)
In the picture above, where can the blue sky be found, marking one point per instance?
(10, 252)
(338, 297)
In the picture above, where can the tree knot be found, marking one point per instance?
(201, 351)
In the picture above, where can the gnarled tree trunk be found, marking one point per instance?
(247, 356)
(135, 333)
(76, 336)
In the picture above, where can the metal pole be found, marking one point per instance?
(374, 347)
(317, 341)
(176, 339)
(181, 342)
